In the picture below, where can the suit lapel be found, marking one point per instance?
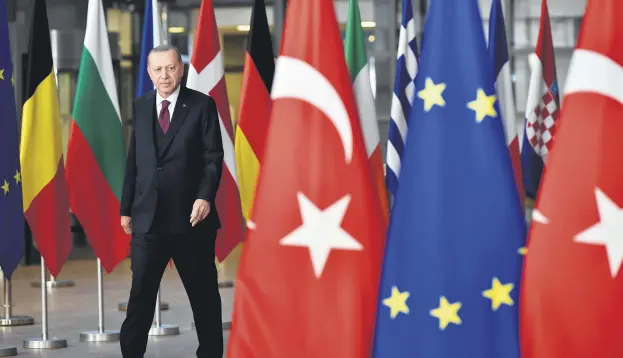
(149, 107)
(179, 114)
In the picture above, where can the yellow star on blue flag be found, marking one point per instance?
(451, 271)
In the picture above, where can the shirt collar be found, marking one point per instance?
(172, 97)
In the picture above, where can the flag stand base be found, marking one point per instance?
(8, 351)
(54, 284)
(164, 330)
(16, 321)
(40, 343)
(97, 336)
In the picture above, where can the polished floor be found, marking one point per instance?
(74, 309)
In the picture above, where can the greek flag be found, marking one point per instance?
(402, 100)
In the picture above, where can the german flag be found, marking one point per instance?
(259, 68)
(46, 202)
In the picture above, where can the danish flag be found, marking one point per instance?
(207, 75)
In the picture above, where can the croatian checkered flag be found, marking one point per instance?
(404, 86)
(542, 108)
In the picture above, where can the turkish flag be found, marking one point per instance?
(572, 294)
(308, 278)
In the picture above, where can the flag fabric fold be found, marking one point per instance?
(451, 272)
(357, 61)
(96, 152)
(151, 37)
(206, 74)
(498, 50)
(318, 228)
(252, 129)
(45, 197)
(11, 207)
(573, 281)
(402, 99)
(542, 108)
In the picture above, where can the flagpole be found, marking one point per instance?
(8, 319)
(159, 329)
(44, 342)
(101, 335)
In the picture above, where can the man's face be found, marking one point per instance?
(165, 71)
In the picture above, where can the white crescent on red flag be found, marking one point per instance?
(308, 278)
(572, 292)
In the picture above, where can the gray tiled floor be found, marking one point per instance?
(74, 309)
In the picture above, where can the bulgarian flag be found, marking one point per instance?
(96, 153)
(357, 61)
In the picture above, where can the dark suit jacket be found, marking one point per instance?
(163, 179)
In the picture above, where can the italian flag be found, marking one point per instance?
(96, 153)
(357, 61)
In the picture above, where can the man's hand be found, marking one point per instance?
(201, 209)
(126, 224)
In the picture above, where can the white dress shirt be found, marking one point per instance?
(172, 101)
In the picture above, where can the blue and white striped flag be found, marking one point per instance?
(402, 100)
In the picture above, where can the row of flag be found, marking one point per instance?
(456, 272)
(104, 159)
(33, 172)
(325, 271)
(528, 141)
(39, 184)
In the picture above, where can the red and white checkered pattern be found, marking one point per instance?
(541, 124)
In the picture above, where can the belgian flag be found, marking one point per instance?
(259, 69)
(46, 202)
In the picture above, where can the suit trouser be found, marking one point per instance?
(193, 255)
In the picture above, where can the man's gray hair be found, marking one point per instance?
(165, 48)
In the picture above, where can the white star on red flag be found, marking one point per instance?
(607, 232)
(321, 231)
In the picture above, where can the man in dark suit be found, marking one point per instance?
(167, 204)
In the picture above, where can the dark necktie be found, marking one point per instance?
(164, 118)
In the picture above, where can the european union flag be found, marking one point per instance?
(11, 207)
(451, 275)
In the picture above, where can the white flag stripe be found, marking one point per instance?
(398, 117)
(507, 104)
(367, 110)
(393, 158)
(97, 43)
(404, 87)
(410, 57)
(537, 86)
